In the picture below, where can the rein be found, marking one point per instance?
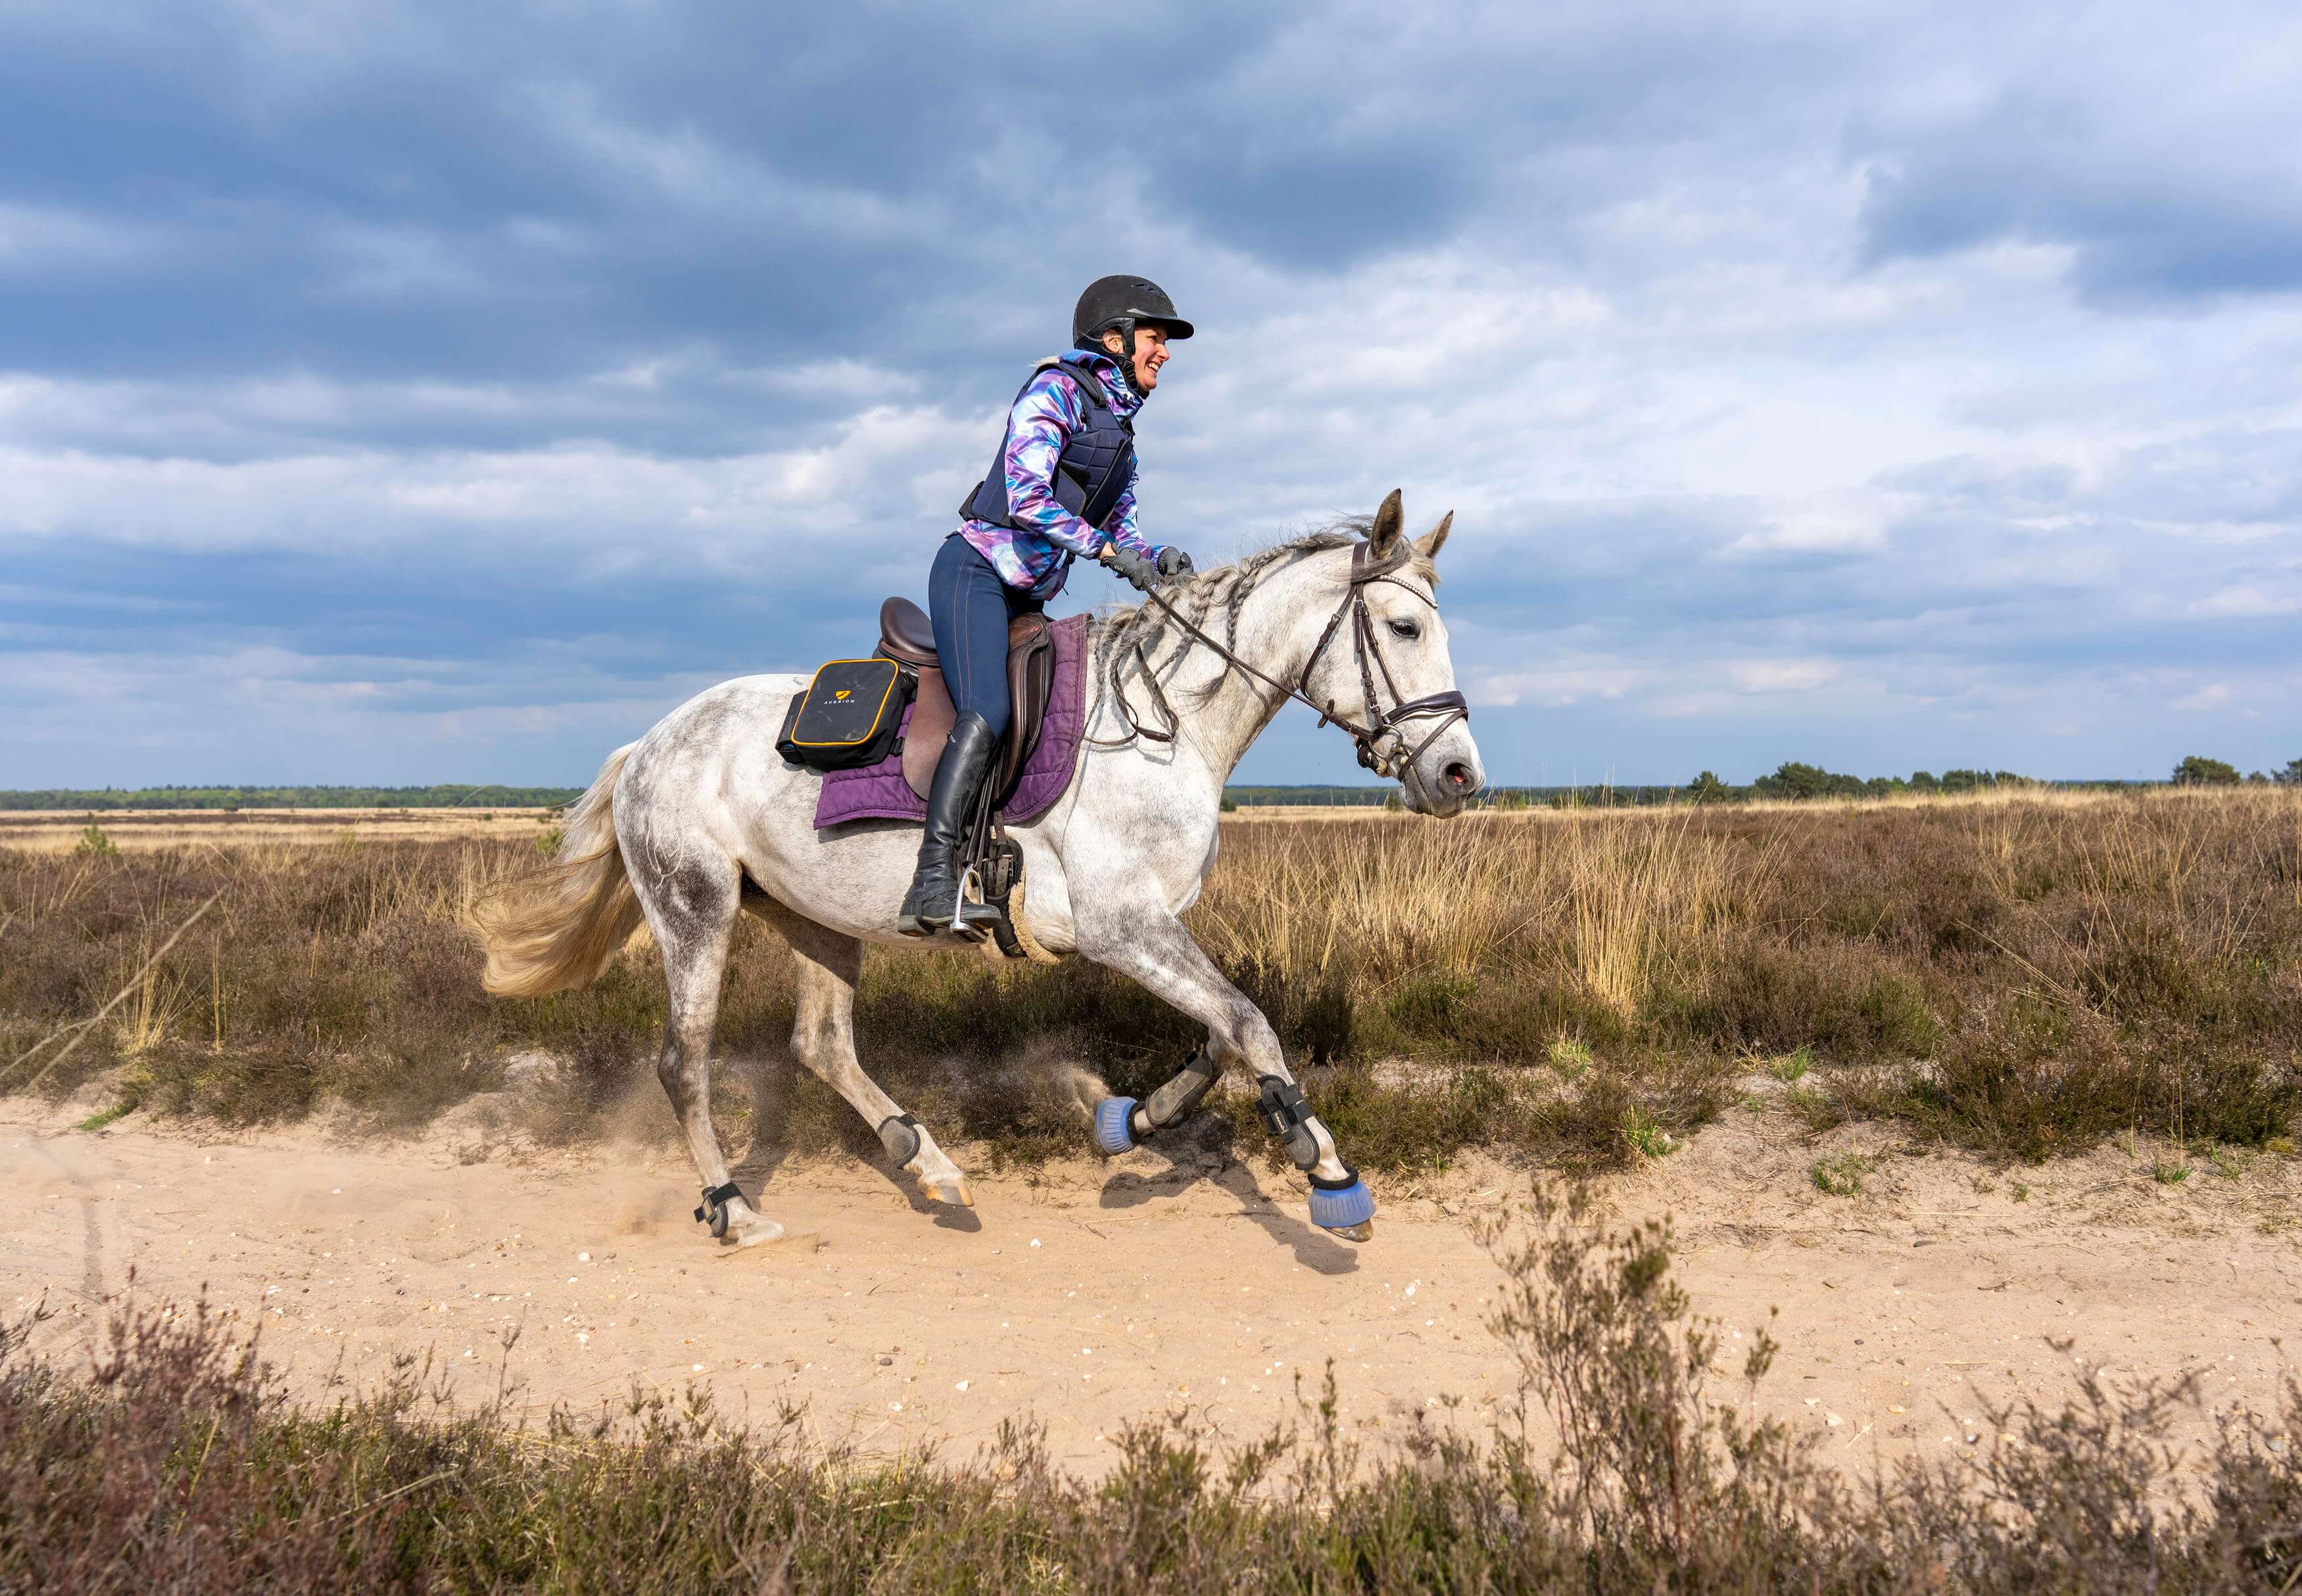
(1449, 707)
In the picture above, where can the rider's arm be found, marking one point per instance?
(1045, 413)
(1120, 525)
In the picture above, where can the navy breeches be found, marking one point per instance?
(971, 607)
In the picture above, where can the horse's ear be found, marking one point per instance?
(1429, 544)
(1390, 526)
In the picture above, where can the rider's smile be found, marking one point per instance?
(1150, 354)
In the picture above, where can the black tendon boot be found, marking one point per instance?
(958, 778)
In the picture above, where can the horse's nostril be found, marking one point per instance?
(1458, 774)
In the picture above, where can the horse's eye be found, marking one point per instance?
(1407, 629)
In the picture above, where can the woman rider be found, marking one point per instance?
(1061, 486)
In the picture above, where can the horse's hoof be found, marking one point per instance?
(756, 1234)
(1113, 1133)
(1348, 1212)
(954, 1191)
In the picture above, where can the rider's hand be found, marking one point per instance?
(1174, 562)
(1134, 566)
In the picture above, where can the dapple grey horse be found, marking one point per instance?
(700, 819)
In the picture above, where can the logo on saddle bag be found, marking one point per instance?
(851, 714)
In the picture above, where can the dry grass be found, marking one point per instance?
(2026, 973)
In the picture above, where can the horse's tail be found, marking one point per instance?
(559, 926)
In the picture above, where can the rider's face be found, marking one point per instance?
(1150, 353)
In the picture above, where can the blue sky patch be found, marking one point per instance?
(413, 393)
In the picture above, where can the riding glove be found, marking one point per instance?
(1134, 566)
(1174, 562)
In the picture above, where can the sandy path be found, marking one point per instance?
(1100, 1293)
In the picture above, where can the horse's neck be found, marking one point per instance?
(1275, 635)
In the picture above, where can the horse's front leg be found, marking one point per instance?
(1153, 948)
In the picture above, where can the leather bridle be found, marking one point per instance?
(1384, 726)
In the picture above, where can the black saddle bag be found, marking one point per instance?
(851, 714)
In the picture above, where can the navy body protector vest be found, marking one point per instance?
(1097, 459)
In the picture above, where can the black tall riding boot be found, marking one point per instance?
(960, 775)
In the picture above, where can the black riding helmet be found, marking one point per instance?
(1121, 304)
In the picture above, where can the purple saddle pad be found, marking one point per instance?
(879, 791)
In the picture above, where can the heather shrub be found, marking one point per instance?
(2032, 970)
(175, 1460)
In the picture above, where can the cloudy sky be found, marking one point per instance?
(442, 392)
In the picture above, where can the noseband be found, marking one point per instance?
(1384, 724)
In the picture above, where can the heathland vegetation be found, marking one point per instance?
(2018, 971)
(182, 1466)
(441, 795)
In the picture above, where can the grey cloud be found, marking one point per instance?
(2135, 236)
(2162, 158)
(446, 367)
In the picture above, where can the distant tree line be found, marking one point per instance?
(461, 795)
(1790, 780)
(1798, 782)
(2196, 770)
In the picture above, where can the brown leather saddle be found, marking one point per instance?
(906, 636)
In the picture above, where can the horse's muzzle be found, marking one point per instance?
(1444, 778)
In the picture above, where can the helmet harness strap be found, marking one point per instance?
(1127, 328)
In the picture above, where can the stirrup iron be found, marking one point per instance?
(973, 921)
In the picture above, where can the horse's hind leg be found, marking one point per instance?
(825, 965)
(691, 908)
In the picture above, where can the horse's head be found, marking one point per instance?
(1391, 670)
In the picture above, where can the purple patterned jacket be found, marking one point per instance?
(1045, 412)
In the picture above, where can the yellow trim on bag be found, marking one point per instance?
(893, 675)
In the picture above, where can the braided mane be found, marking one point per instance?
(1128, 638)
